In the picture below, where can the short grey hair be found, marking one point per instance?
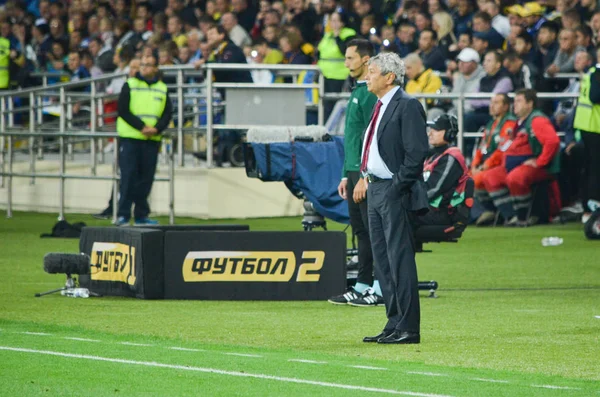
(390, 62)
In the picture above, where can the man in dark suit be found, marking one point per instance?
(394, 150)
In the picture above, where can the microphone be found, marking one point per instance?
(286, 134)
(55, 262)
(361, 65)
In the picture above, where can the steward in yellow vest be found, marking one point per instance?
(587, 122)
(144, 110)
(4, 63)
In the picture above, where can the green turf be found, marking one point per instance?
(509, 309)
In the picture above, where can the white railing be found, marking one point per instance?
(68, 133)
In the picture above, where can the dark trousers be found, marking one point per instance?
(394, 256)
(137, 162)
(570, 177)
(359, 220)
(331, 85)
(591, 142)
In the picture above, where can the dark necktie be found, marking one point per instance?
(365, 158)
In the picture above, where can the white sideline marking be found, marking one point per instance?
(490, 380)
(36, 333)
(597, 316)
(243, 355)
(425, 373)
(556, 387)
(367, 367)
(299, 360)
(135, 344)
(185, 349)
(221, 372)
(81, 339)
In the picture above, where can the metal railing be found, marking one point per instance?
(184, 92)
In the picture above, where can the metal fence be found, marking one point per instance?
(44, 114)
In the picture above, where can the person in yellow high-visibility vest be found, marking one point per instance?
(144, 110)
(587, 121)
(6, 54)
(332, 48)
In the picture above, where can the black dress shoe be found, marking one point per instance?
(401, 338)
(373, 339)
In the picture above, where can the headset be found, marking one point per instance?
(451, 133)
(360, 66)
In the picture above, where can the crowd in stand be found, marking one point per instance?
(459, 46)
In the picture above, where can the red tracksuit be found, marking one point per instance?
(510, 185)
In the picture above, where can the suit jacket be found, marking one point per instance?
(403, 146)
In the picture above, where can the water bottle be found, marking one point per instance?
(76, 292)
(551, 241)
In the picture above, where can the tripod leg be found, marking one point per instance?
(50, 292)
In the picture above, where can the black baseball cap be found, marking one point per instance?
(443, 123)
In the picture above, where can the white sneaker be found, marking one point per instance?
(576, 208)
(513, 221)
(585, 217)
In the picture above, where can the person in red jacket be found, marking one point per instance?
(487, 155)
(531, 155)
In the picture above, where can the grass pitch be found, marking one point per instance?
(513, 319)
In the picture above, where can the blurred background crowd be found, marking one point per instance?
(459, 46)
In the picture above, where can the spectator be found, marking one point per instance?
(524, 47)
(193, 43)
(292, 54)
(78, 71)
(87, 61)
(547, 46)
(566, 107)
(584, 36)
(469, 75)
(432, 56)
(304, 17)
(41, 43)
(481, 43)
(124, 36)
(564, 62)
(122, 59)
(106, 32)
(496, 81)
(102, 55)
(435, 6)
(237, 34)
(511, 40)
(595, 25)
(571, 19)
(533, 15)
(482, 23)
(271, 34)
(421, 81)
(422, 21)
(443, 26)
(244, 14)
(267, 54)
(523, 74)
(175, 30)
(587, 8)
(406, 37)
(463, 17)
(499, 22)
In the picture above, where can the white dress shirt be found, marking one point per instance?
(375, 164)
